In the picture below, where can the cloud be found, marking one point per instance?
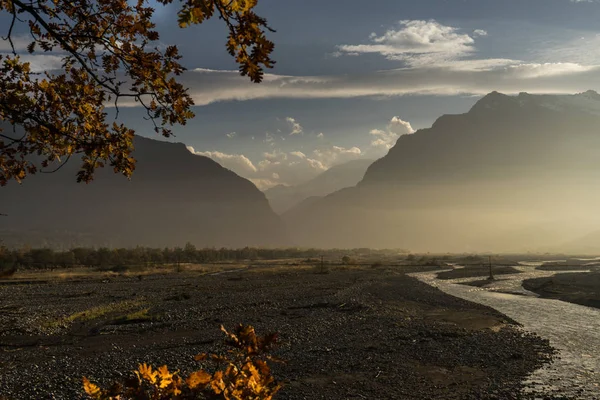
(321, 135)
(472, 77)
(298, 154)
(330, 156)
(479, 32)
(279, 167)
(296, 127)
(20, 43)
(238, 163)
(417, 37)
(437, 60)
(400, 127)
(386, 139)
(263, 183)
(231, 135)
(41, 62)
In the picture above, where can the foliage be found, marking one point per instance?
(346, 260)
(121, 259)
(109, 52)
(243, 373)
(8, 265)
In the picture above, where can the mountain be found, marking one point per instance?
(174, 197)
(283, 198)
(482, 180)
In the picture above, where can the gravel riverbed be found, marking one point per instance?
(347, 334)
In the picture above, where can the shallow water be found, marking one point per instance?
(572, 329)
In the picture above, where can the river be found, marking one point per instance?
(572, 329)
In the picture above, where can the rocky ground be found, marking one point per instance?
(580, 288)
(346, 334)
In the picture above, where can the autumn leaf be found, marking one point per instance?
(242, 376)
(91, 389)
(198, 378)
(145, 372)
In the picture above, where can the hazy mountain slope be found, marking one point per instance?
(472, 180)
(283, 198)
(173, 197)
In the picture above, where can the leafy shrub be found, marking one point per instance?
(242, 374)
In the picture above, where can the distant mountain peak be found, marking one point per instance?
(493, 101)
(586, 102)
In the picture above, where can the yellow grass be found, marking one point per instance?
(97, 312)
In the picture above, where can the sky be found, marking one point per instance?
(352, 76)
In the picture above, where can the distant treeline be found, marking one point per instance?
(46, 258)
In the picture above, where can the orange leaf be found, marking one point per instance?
(198, 378)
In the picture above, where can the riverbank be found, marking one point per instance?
(579, 287)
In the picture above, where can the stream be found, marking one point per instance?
(572, 329)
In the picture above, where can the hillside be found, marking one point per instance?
(283, 198)
(483, 180)
(174, 197)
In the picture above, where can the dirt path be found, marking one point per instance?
(572, 329)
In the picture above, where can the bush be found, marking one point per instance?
(7, 268)
(244, 373)
(8, 272)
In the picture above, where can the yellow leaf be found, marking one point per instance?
(198, 378)
(147, 373)
(91, 389)
(217, 383)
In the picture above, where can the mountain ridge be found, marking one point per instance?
(174, 197)
(456, 185)
(284, 198)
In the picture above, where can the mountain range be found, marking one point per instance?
(514, 173)
(482, 180)
(174, 197)
(282, 198)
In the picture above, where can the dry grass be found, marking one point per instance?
(79, 273)
(98, 312)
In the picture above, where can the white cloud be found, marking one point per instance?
(263, 183)
(417, 37)
(295, 126)
(400, 127)
(330, 156)
(298, 154)
(384, 140)
(279, 167)
(438, 60)
(321, 135)
(231, 135)
(476, 77)
(238, 163)
(479, 32)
